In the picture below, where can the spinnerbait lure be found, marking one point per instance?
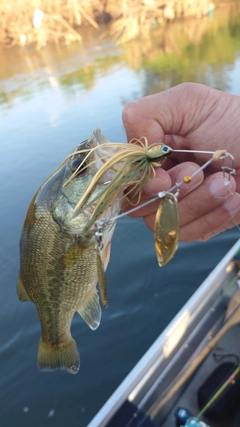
(133, 165)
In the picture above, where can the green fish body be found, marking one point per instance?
(58, 269)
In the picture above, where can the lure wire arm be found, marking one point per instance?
(217, 155)
(99, 233)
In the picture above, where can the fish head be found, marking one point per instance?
(71, 180)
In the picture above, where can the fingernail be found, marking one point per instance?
(220, 188)
(232, 204)
(153, 187)
(161, 182)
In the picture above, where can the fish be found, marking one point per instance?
(59, 259)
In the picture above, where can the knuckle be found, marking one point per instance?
(130, 112)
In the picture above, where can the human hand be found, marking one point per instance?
(193, 117)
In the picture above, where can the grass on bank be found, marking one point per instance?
(26, 22)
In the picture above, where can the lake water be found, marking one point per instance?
(50, 101)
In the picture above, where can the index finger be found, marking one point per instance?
(176, 111)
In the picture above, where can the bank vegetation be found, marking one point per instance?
(39, 22)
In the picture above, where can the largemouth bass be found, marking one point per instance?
(58, 269)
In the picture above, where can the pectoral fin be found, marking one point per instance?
(91, 311)
(21, 291)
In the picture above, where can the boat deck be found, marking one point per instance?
(219, 355)
(193, 365)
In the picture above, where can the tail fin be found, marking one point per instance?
(62, 356)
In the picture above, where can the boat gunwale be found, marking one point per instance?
(201, 300)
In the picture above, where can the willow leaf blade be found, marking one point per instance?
(166, 230)
(101, 280)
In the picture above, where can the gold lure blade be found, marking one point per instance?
(101, 280)
(166, 230)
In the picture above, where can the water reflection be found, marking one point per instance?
(198, 53)
(182, 51)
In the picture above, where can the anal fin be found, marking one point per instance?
(21, 291)
(91, 311)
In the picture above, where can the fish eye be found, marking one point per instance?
(75, 163)
(81, 145)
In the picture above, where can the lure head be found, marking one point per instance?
(158, 151)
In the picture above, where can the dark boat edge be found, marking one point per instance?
(143, 392)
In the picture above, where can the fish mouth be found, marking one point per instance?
(86, 215)
(82, 218)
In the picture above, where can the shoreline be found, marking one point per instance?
(62, 21)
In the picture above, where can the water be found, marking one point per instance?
(49, 102)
